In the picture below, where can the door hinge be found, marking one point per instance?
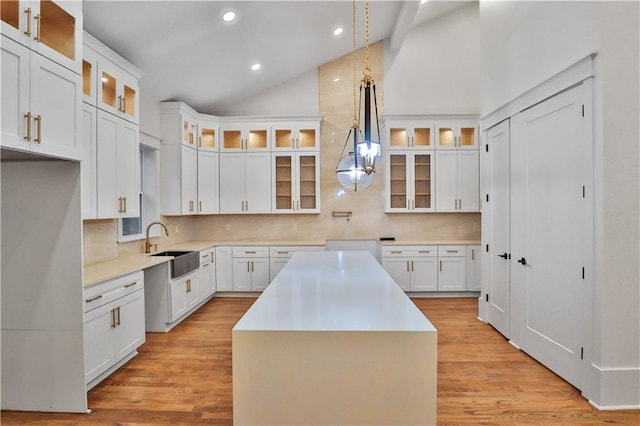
(486, 148)
(584, 192)
(583, 272)
(486, 296)
(487, 198)
(581, 353)
(509, 256)
(487, 248)
(583, 110)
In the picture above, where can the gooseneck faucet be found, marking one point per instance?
(147, 243)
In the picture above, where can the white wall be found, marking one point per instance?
(524, 43)
(437, 69)
(298, 96)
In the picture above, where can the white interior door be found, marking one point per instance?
(499, 228)
(548, 216)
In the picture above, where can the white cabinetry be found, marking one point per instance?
(245, 137)
(409, 184)
(114, 152)
(473, 268)
(114, 325)
(296, 182)
(207, 273)
(245, 182)
(51, 28)
(118, 155)
(280, 255)
(185, 294)
(41, 103)
(409, 134)
(413, 268)
(250, 268)
(208, 188)
(296, 136)
(461, 134)
(224, 268)
(457, 181)
(452, 268)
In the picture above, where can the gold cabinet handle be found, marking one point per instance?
(124, 103)
(28, 12)
(249, 252)
(28, 117)
(200, 205)
(412, 266)
(199, 140)
(93, 299)
(188, 282)
(118, 312)
(131, 284)
(396, 251)
(248, 268)
(252, 266)
(247, 204)
(441, 266)
(38, 138)
(39, 19)
(424, 251)
(473, 254)
(125, 204)
(452, 251)
(119, 204)
(282, 252)
(407, 266)
(113, 318)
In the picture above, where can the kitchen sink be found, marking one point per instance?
(183, 261)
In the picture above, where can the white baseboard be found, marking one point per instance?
(619, 388)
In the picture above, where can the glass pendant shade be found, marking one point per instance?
(351, 176)
(368, 153)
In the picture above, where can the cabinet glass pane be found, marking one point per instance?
(257, 139)
(108, 90)
(445, 136)
(467, 136)
(208, 138)
(398, 137)
(307, 182)
(129, 101)
(57, 28)
(422, 136)
(10, 12)
(283, 183)
(86, 78)
(284, 138)
(232, 139)
(422, 181)
(398, 180)
(307, 138)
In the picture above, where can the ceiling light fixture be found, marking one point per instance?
(356, 170)
(423, 1)
(229, 16)
(338, 31)
(256, 67)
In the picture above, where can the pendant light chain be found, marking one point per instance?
(367, 70)
(353, 53)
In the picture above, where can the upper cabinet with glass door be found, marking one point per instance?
(457, 134)
(409, 134)
(109, 81)
(296, 136)
(243, 136)
(207, 131)
(51, 28)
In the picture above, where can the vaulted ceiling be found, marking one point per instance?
(188, 53)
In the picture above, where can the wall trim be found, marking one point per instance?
(618, 389)
(569, 76)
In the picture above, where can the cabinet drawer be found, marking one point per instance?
(251, 251)
(452, 251)
(205, 256)
(288, 251)
(409, 251)
(107, 291)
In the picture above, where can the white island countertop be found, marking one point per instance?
(332, 291)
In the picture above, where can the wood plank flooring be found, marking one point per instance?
(184, 377)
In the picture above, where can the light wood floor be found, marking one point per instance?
(184, 377)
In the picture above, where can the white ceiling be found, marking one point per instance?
(188, 53)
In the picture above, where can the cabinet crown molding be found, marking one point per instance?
(104, 50)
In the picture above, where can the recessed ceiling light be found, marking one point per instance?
(423, 1)
(229, 16)
(337, 31)
(256, 67)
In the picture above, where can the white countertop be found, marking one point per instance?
(333, 291)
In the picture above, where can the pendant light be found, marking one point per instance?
(356, 170)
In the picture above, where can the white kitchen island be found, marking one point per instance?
(334, 340)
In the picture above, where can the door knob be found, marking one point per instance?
(523, 261)
(504, 256)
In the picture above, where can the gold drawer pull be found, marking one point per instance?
(424, 251)
(249, 252)
(282, 252)
(38, 18)
(93, 299)
(452, 251)
(131, 284)
(38, 138)
(396, 252)
(28, 12)
(28, 117)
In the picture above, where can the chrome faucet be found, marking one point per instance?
(147, 243)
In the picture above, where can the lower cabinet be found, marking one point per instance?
(280, 255)
(224, 268)
(185, 294)
(452, 268)
(114, 325)
(207, 273)
(250, 268)
(413, 268)
(473, 268)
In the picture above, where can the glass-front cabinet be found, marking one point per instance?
(296, 182)
(245, 137)
(296, 136)
(51, 28)
(409, 184)
(402, 135)
(207, 134)
(118, 91)
(457, 135)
